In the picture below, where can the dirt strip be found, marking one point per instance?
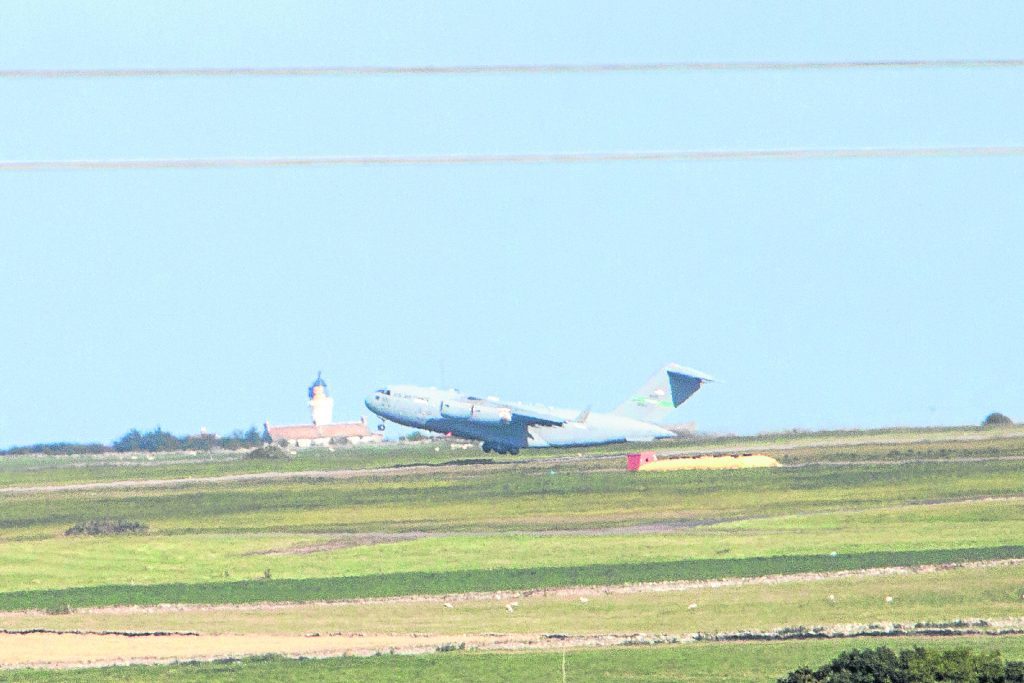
(569, 592)
(84, 649)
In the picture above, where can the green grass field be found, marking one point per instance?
(885, 444)
(486, 580)
(897, 497)
(734, 663)
(990, 592)
(508, 520)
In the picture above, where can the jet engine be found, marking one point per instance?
(462, 410)
(490, 414)
(459, 410)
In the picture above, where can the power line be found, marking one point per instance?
(611, 67)
(527, 158)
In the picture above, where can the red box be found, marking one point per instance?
(634, 460)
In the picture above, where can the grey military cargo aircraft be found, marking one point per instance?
(505, 427)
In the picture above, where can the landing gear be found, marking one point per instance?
(380, 427)
(488, 447)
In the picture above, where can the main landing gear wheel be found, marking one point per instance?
(489, 447)
(380, 427)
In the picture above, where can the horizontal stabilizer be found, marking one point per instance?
(665, 391)
(684, 383)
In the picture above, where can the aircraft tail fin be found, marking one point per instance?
(666, 390)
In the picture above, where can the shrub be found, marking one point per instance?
(918, 665)
(450, 647)
(996, 420)
(104, 527)
(266, 453)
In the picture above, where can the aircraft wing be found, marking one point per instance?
(494, 410)
(534, 417)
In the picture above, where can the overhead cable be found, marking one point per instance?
(524, 158)
(608, 67)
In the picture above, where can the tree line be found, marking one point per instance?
(153, 441)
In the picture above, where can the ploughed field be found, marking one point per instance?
(463, 566)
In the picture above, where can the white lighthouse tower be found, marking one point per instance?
(321, 406)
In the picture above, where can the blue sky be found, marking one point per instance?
(847, 293)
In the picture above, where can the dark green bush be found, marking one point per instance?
(996, 420)
(918, 665)
(1014, 672)
(105, 527)
(59, 609)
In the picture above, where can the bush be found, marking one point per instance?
(450, 647)
(60, 609)
(267, 453)
(105, 527)
(996, 420)
(919, 665)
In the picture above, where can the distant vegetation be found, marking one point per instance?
(159, 441)
(106, 527)
(267, 452)
(154, 441)
(996, 420)
(918, 665)
(414, 436)
(57, 448)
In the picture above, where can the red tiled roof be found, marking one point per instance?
(329, 431)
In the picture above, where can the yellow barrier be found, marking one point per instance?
(710, 462)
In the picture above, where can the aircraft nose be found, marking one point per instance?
(373, 402)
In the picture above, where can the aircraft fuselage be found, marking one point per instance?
(505, 427)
